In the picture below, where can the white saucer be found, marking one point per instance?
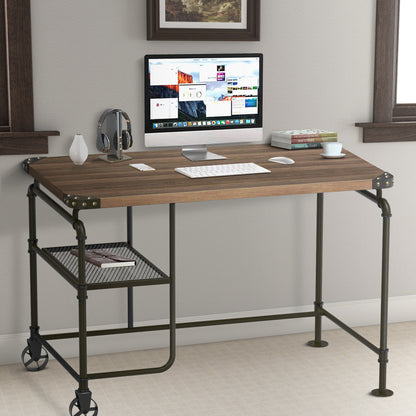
(341, 155)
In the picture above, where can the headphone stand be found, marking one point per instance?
(113, 158)
(113, 138)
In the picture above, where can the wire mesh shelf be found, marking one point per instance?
(143, 273)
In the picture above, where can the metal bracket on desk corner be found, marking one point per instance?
(81, 202)
(385, 180)
(27, 162)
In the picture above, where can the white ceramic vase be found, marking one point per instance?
(78, 152)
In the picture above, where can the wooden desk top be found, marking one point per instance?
(98, 184)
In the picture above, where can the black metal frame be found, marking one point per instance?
(83, 394)
(37, 341)
(382, 352)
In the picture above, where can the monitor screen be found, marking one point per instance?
(203, 99)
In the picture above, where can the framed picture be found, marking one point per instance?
(221, 20)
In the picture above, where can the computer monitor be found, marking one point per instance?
(196, 100)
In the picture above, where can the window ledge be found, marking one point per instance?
(25, 142)
(395, 131)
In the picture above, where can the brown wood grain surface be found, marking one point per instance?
(4, 94)
(17, 134)
(118, 184)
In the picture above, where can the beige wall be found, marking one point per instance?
(238, 255)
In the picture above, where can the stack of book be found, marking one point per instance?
(302, 139)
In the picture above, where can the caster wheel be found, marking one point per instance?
(31, 363)
(74, 409)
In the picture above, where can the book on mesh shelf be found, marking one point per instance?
(105, 259)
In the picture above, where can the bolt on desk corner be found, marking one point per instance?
(96, 185)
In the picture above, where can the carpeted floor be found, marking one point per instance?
(274, 376)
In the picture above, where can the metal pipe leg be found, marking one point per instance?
(34, 324)
(382, 391)
(318, 342)
(172, 285)
(82, 312)
(34, 347)
(130, 318)
(83, 394)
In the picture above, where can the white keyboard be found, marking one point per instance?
(221, 170)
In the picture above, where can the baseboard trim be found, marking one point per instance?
(355, 314)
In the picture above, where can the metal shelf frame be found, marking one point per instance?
(82, 282)
(144, 273)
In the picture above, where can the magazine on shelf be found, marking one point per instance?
(105, 259)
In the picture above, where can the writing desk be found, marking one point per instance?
(97, 184)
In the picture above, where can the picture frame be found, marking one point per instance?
(160, 28)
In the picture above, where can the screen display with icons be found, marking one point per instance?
(186, 92)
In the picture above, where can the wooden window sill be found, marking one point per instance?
(25, 142)
(396, 131)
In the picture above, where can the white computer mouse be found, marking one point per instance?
(282, 159)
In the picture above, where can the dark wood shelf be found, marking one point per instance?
(390, 124)
(24, 134)
(400, 131)
(25, 142)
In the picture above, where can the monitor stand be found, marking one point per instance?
(198, 153)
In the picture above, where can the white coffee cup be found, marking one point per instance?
(332, 148)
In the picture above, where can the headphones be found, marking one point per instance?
(103, 141)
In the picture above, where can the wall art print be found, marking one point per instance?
(219, 20)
